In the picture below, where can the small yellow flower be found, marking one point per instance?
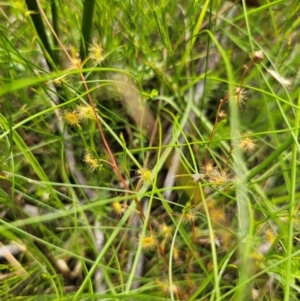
(118, 208)
(96, 53)
(90, 161)
(270, 236)
(256, 255)
(148, 242)
(144, 174)
(71, 117)
(85, 113)
(165, 231)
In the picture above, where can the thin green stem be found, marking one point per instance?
(292, 206)
(41, 31)
(86, 27)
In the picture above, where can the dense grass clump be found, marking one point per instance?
(149, 150)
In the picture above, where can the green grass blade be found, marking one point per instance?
(86, 27)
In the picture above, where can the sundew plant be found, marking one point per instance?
(149, 150)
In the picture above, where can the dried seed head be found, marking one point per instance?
(96, 53)
(258, 56)
(209, 168)
(222, 114)
(239, 96)
(247, 145)
(218, 177)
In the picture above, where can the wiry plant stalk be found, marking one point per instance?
(50, 57)
(86, 27)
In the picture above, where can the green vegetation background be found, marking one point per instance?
(149, 150)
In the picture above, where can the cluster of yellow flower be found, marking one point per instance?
(80, 114)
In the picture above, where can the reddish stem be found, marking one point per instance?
(113, 161)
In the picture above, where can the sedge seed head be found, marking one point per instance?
(189, 216)
(165, 231)
(118, 208)
(96, 53)
(90, 161)
(218, 216)
(222, 114)
(239, 96)
(148, 242)
(71, 117)
(85, 113)
(247, 145)
(218, 177)
(144, 174)
(209, 168)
